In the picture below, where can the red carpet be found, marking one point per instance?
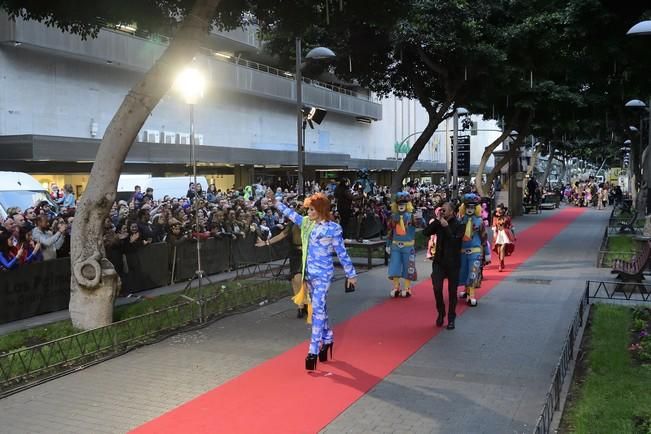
(279, 396)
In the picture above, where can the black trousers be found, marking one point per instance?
(440, 273)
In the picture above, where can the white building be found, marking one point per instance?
(59, 93)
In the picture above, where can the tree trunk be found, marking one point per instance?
(94, 283)
(531, 170)
(488, 151)
(435, 118)
(548, 168)
(514, 147)
(563, 170)
(513, 152)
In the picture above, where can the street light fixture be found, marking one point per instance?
(643, 28)
(190, 84)
(318, 53)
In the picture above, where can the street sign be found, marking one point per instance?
(401, 147)
(463, 156)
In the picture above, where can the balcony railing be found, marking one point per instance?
(132, 48)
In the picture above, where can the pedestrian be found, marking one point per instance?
(293, 232)
(319, 235)
(446, 260)
(503, 231)
(50, 242)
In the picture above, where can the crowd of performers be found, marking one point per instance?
(459, 248)
(590, 193)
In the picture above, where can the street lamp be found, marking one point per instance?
(190, 84)
(643, 28)
(318, 53)
(459, 111)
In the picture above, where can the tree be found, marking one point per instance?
(92, 283)
(436, 51)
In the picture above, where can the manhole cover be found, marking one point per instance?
(535, 281)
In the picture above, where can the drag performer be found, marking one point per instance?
(472, 246)
(401, 244)
(320, 236)
(504, 238)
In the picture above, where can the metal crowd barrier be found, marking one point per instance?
(552, 399)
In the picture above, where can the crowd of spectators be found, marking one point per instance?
(38, 233)
(42, 233)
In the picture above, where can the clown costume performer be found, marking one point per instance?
(320, 237)
(472, 247)
(401, 245)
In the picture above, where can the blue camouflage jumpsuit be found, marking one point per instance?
(325, 238)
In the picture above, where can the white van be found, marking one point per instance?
(175, 186)
(18, 189)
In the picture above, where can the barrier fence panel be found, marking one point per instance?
(26, 366)
(215, 257)
(553, 398)
(43, 287)
(34, 289)
(147, 268)
(618, 290)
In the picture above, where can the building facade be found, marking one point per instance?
(59, 93)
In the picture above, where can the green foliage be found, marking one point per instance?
(613, 397)
(87, 18)
(618, 247)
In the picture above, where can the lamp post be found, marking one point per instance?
(318, 53)
(455, 146)
(636, 153)
(190, 84)
(643, 28)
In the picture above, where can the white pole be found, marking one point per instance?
(455, 151)
(196, 196)
(299, 119)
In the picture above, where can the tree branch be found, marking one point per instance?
(439, 69)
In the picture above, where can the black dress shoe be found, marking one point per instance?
(450, 325)
(310, 362)
(439, 320)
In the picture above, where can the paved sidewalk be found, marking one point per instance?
(489, 375)
(492, 373)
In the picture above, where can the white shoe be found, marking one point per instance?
(395, 293)
(405, 293)
(472, 302)
(462, 294)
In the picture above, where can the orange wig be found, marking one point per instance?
(321, 205)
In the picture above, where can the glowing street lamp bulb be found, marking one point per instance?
(190, 83)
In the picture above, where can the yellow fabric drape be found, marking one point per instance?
(303, 298)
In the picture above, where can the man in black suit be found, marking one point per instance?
(446, 260)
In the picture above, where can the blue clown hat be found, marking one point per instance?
(402, 197)
(471, 199)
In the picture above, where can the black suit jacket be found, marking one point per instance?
(448, 242)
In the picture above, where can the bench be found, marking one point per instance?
(633, 270)
(370, 246)
(629, 226)
(550, 201)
